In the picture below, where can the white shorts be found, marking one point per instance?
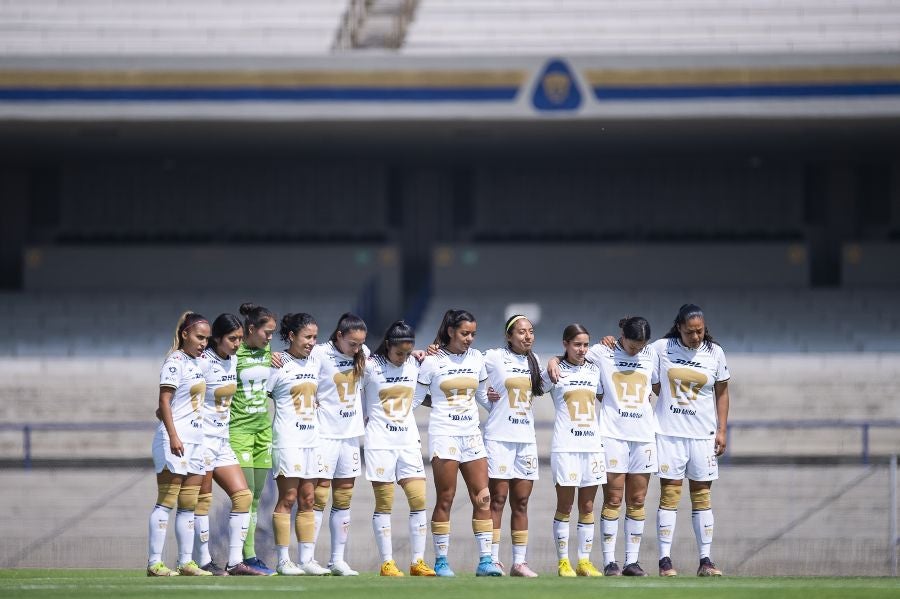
(190, 463)
(218, 453)
(392, 465)
(339, 458)
(466, 448)
(630, 456)
(295, 462)
(578, 468)
(508, 460)
(680, 457)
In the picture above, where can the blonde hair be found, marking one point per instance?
(187, 320)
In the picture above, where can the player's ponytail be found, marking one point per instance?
(186, 321)
(537, 387)
(346, 323)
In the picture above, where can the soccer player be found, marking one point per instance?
(692, 415)
(250, 429)
(295, 444)
(178, 447)
(454, 379)
(393, 446)
(515, 374)
(218, 366)
(576, 453)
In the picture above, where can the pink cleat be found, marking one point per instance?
(523, 570)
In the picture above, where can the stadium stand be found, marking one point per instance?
(617, 27)
(172, 28)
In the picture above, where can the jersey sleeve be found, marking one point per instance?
(366, 351)
(722, 373)
(170, 373)
(482, 374)
(654, 374)
(274, 379)
(596, 353)
(481, 397)
(423, 381)
(546, 383)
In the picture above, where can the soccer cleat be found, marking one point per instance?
(214, 569)
(502, 568)
(288, 568)
(242, 569)
(666, 568)
(260, 566)
(612, 569)
(522, 570)
(442, 568)
(160, 569)
(565, 568)
(389, 568)
(633, 569)
(420, 568)
(586, 568)
(192, 569)
(487, 567)
(342, 568)
(707, 568)
(314, 568)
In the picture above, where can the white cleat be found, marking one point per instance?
(342, 568)
(313, 568)
(288, 568)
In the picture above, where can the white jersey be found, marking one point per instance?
(625, 412)
(453, 381)
(575, 398)
(510, 418)
(221, 384)
(340, 414)
(183, 373)
(687, 398)
(293, 391)
(387, 401)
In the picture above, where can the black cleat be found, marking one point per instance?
(633, 569)
(666, 568)
(707, 568)
(215, 569)
(612, 569)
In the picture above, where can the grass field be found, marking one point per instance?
(74, 584)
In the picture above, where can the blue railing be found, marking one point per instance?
(864, 426)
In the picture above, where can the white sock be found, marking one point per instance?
(157, 525)
(318, 515)
(381, 526)
(283, 552)
(339, 525)
(238, 524)
(665, 531)
(184, 535)
(441, 544)
(483, 542)
(703, 530)
(495, 552)
(585, 539)
(634, 530)
(610, 530)
(307, 552)
(518, 553)
(201, 540)
(418, 533)
(561, 534)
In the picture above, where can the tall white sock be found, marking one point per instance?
(184, 535)
(381, 526)
(158, 523)
(339, 525)
(238, 524)
(495, 552)
(703, 531)
(418, 534)
(665, 531)
(441, 544)
(283, 552)
(201, 540)
(634, 531)
(610, 530)
(518, 553)
(483, 542)
(585, 539)
(318, 515)
(307, 552)
(561, 535)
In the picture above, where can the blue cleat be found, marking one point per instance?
(260, 566)
(442, 568)
(487, 567)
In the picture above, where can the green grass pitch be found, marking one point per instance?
(75, 584)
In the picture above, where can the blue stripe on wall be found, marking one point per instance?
(691, 92)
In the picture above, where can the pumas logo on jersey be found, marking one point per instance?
(613, 462)
(172, 369)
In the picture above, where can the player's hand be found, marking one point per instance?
(433, 349)
(719, 446)
(419, 355)
(277, 361)
(609, 341)
(176, 446)
(553, 369)
(492, 395)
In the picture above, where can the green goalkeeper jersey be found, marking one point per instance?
(250, 407)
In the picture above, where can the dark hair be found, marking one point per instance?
(346, 323)
(572, 331)
(635, 328)
(221, 326)
(452, 319)
(255, 316)
(537, 388)
(686, 313)
(186, 321)
(398, 332)
(294, 323)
